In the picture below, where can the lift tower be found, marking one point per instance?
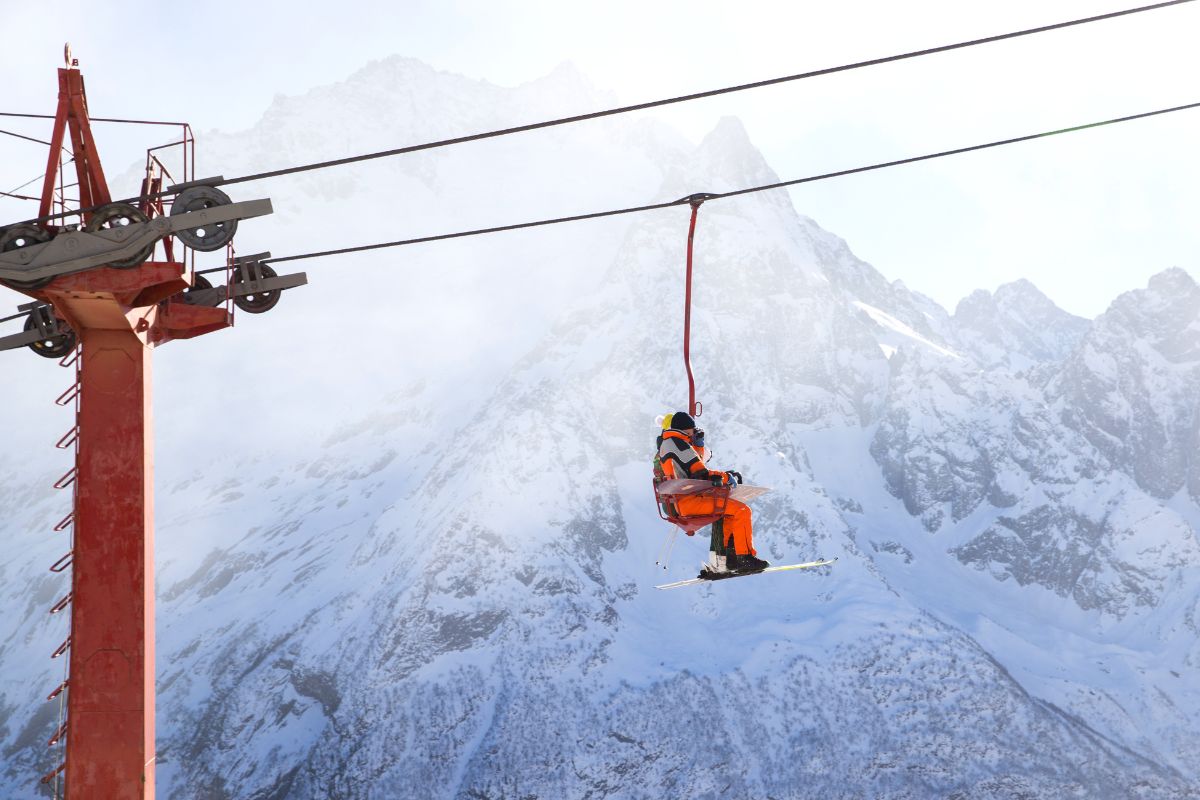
(102, 302)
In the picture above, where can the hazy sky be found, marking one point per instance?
(1085, 217)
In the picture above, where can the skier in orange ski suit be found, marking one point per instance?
(681, 454)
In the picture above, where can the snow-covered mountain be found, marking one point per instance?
(421, 563)
(1016, 326)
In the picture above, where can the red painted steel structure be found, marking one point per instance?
(119, 315)
(72, 115)
(687, 313)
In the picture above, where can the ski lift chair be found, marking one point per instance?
(668, 491)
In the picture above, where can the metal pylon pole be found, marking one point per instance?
(110, 734)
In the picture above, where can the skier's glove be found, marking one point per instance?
(731, 479)
(737, 476)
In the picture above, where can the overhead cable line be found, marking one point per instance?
(630, 108)
(23, 185)
(697, 95)
(26, 138)
(32, 180)
(734, 192)
(26, 183)
(98, 119)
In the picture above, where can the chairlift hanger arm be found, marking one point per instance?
(687, 312)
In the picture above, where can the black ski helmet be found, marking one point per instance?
(682, 421)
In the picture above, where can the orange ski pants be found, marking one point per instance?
(736, 519)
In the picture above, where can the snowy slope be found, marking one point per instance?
(442, 587)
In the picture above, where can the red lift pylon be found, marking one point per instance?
(99, 289)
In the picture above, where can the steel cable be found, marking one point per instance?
(731, 193)
(640, 106)
(697, 95)
(26, 138)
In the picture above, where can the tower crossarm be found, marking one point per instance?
(76, 251)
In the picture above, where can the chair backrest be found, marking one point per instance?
(666, 509)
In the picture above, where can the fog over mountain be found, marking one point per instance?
(406, 536)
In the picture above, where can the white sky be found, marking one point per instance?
(1085, 216)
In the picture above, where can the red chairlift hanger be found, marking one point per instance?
(667, 492)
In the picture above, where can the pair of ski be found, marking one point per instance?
(823, 562)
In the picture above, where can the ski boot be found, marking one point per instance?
(748, 563)
(716, 567)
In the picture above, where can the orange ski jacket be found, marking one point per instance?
(680, 460)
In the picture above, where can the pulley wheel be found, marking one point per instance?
(199, 284)
(24, 235)
(55, 346)
(113, 217)
(260, 301)
(209, 237)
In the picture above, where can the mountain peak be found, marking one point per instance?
(728, 157)
(1172, 281)
(1127, 380)
(1017, 320)
(976, 299)
(1163, 315)
(728, 132)
(391, 65)
(1022, 289)
(1169, 302)
(1020, 296)
(566, 78)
